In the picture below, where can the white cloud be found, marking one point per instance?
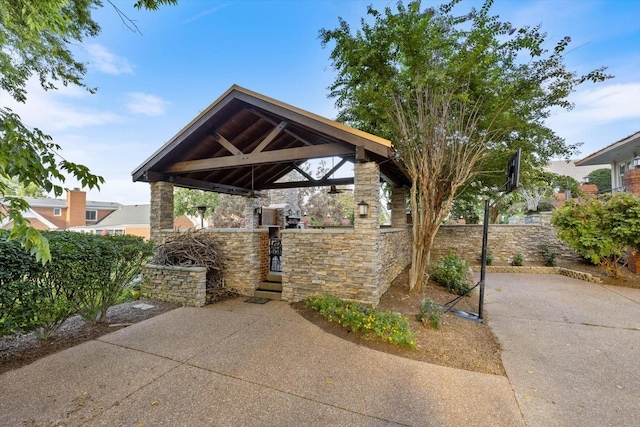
(144, 103)
(204, 13)
(107, 62)
(49, 111)
(602, 105)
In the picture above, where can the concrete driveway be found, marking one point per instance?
(236, 363)
(571, 349)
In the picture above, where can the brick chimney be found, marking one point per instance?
(76, 208)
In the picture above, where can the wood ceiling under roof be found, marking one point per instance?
(245, 141)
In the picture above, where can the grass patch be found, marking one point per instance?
(371, 323)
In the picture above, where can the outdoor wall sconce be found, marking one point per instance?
(636, 162)
(258, 210)
(363, 209)
(586, 179)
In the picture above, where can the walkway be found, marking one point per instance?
(236, 363)
(571, 349)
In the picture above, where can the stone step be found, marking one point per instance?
(274, 276)
(267, 294)
(270, 286)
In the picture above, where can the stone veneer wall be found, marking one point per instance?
(342, 262)
(183, 285)
(246, 256)
(504, 242)
(326, 261)
(394, 253)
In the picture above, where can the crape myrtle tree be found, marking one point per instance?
(457, 94)
(36, 39)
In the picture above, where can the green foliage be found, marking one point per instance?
(451, 272)
(548, 254)
(601, 178)
(518, 260)
(489, 257)
(602, 228)
(373, 324)
(87, 274)
(186, 201)
(507, 71)
(467, 208)
(431, 312)
(417, 75)
(36, 39)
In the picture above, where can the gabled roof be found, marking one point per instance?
(48, 202)
(35, 219)
(127, 215)
(245, 141)
(627, 147)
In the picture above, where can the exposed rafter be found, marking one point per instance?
(279, 156)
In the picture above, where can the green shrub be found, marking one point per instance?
(430, 311)
(489, 257)
(451, 272)
(87, 274)
(373, 324)
(601, 229)
(548, 254)
(518, 260)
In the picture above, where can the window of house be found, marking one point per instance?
(57, 212)
(92, 215)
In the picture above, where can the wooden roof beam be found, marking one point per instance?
(275, 156)
(272, 135)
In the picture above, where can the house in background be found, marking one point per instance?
(570, 168)
(623, 156)
(131, 219)
(58, 214)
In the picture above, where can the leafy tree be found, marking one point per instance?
(35, 41)
(186, 202)
(230, 212)
(15, 188)
(601, 178)
(601, 229)
(457, 94)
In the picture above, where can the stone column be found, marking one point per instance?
(367, 188)
(398, 207)
(251, 219)
(161, 208)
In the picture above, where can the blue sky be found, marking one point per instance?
(151, 85)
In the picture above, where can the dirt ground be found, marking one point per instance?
(458, 343)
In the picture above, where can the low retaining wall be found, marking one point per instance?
(183, 285)
(394, 253)
(587, 277)
(504, 242)
(245, 256)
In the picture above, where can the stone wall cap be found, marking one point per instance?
(318, 231)
(174, 267)
(236, 230)
(393, 230)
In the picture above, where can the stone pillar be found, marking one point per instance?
(367, 188)
(631, 181)
(161, 217)
(251, 218)
(398, 207)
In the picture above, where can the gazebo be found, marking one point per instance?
(243, 144)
